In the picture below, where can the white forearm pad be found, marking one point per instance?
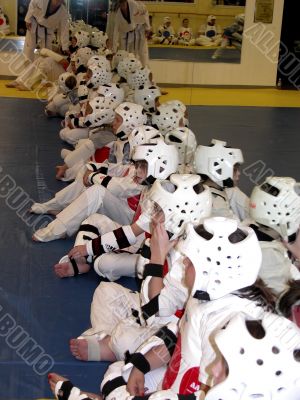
(120, 238)
(144, 222)
(49, 53)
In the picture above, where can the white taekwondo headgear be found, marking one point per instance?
(222, 265)
(217, 162)
(211, 18)
(139, 77)
(141, 135)
(100, 76)
(276, 204)
(100, 61)
(82, 37)
(185, 203)
(167, 118)
(240, 19)
(98, 39)
(132, 115)
(146, 96)
(186, 143)
(81, 56)
(162, 158)
(102, 114)
(267, 367)
(119, 56)
(112, 91)
(128, 65)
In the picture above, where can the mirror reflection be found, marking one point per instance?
(212, 34)
(192, 31)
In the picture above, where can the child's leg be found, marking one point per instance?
(111, 303)
(73, 135)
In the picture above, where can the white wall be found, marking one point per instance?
(256, 67)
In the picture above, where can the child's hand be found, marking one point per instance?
(136, 383)
(160, 243)
(85, 178)
(78, 251)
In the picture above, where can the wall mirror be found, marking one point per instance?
(199, 27)
(196, 33)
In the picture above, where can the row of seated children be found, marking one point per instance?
(208, 35)
(219, 290)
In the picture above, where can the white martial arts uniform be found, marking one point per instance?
(209, 35)
(277, 268)
(43, 27)
(109, 198)
(185, 36)
(43, 68)
(230, 203)
(195, 350)
(130, 36)
(126, 316)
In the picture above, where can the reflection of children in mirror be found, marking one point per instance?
(165, 33)
(185, 34)
(209, 34)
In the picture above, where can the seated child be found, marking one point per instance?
(209, 34)
(165, 33)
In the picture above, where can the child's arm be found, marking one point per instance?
(120, 238)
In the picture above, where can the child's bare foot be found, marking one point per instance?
(86, 349)
(79, 349)
(12, 84)
(60, 171)
(70, 267)
(22, 88)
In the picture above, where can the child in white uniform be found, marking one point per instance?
(275, 208)
(216, 164)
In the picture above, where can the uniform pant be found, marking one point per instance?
(33, 36)
(111, 314)
(95, 199)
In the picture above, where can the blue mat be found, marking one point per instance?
(39, 313)
(193, 55)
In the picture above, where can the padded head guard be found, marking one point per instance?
(185, 203)
(119, 56)
(146, 96)
(167, 118)
(102, 112)
(139, 77)
(185, 141)
(240, 19)
(162, 159)
(211, 18)
(82, 37)
(221, 264)
(98, 39)
(100, 76)
(113, 91)
(128, 65)
(141, 135)
(81, 57)
(100, 61)
(132, 115)
(266, 368)
(217, 162)
(276, 204)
